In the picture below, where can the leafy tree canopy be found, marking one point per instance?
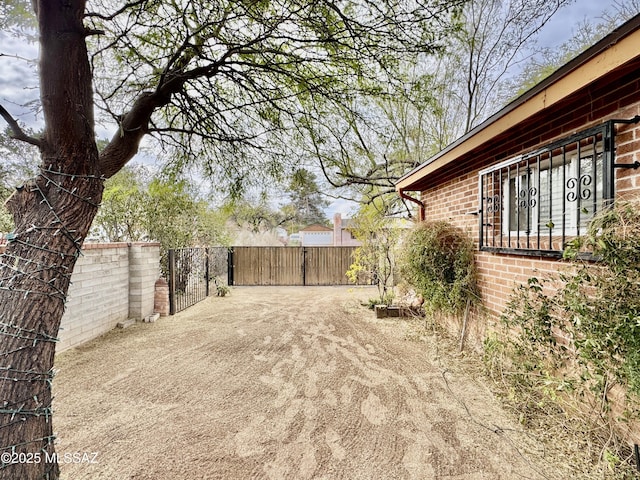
(219, 84)
(233, 78)
(16, 16)
(17, 165)
(255, 214)
(587, 33)
(369, 143)
(135, 208)
(307, 203)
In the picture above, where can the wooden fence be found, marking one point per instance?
(290, 265)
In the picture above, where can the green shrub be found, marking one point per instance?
(437, 260)
(596, 312)
(597, 306)
(221, 288)
(603, 298)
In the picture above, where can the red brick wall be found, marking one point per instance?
(628, 151)
(456, 200)
(500, 274)
(453, 196)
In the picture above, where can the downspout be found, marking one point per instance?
(414, 200)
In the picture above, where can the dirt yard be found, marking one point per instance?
(282, 383)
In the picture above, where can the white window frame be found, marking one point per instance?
(508, 200)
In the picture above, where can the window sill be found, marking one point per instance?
(529, 252)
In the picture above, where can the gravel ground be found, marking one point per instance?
(282, 383)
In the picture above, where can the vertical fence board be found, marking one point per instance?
(191, 269)
(291, 265)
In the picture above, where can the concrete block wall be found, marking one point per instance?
(111, 282)
(144, 270)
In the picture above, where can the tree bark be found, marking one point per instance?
(53, 214)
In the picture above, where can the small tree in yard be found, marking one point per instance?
(164, 211)
(220, 82)
(375, 258)
(122, 215)
(306, 204)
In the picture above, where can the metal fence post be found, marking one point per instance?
(230, 267)
(207, 277)
(304, 266)
(171, 258)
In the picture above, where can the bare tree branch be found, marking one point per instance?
(16, 131)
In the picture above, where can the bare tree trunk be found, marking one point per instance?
(53, 214)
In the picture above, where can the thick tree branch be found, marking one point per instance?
(125, 143)
(17, 132)
(135, 123)
(123, 9)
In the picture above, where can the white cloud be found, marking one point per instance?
(18, 77)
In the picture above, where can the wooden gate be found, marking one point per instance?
(290, 265)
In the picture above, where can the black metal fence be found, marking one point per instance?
(191, 272)
(219, 264)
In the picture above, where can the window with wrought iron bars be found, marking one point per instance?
(534, 203)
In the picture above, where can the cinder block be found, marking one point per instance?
(126, 323)
(99, 296)
(152, 318)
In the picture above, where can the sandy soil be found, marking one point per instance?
(281, 383)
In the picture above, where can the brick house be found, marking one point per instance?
(342, 235)
(531, 177)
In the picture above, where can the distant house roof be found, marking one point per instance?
(611, 58)
(316, 227)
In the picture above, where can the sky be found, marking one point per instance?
(560, 28)
(18, 81)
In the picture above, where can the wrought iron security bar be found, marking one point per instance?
(536, 202)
